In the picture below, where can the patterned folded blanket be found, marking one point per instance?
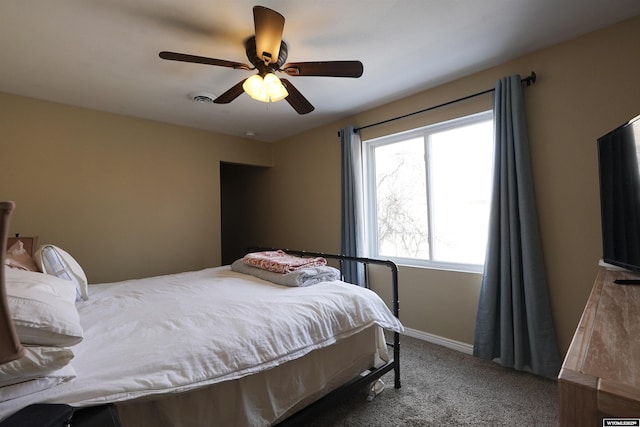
(302, 277)
(281, 262)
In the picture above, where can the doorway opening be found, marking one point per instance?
(239, 198)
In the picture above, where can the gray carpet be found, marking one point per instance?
(443, 387)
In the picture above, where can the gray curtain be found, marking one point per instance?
(352, 243)
(514, 323)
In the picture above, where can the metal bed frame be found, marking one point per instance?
(338, 394)
(373, 374)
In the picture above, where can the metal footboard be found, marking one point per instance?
(374, 373)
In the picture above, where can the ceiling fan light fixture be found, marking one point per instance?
(267, 89)
(274, 87)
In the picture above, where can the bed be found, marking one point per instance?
(229, 345)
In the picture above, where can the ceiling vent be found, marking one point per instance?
(202, 97)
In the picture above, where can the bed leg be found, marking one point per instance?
(396, 357)
(375, 389)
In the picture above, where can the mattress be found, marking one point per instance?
(264, 398)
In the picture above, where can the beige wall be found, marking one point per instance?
(126, 197)
(131, 198)
(585, 87)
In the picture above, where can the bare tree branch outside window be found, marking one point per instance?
(401, 207)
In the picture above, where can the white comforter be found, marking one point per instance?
(178, 332)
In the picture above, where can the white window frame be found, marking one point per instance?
(370, 220)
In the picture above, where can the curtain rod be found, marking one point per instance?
(529, 80)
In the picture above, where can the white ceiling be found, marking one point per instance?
(103, 54)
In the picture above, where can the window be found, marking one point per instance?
(427, 193)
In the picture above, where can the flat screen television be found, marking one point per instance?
(618, 160)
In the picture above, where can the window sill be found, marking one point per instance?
(441, 266)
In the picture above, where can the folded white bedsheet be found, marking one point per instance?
(177, 332)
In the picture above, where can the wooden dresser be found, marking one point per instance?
(600, 375)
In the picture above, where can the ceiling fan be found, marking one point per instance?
(267, 52)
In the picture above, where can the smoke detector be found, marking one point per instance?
(202, 97)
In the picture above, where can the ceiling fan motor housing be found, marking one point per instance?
(262, 67)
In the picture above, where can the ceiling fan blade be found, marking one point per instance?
(296, 99)
(231, 94)
(173, 56)
(269, 25)
(324, 68)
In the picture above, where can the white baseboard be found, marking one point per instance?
(435, 339)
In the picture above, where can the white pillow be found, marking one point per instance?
(57, 262)
(36, 362)
(43, 308)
